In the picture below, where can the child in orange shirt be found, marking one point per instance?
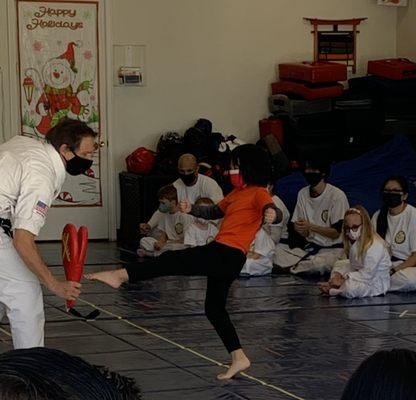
(244, 210)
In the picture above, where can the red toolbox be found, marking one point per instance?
(308, 91)
(313, 72)
(272, 126)
(393, 68)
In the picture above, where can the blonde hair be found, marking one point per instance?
(368, 234)
(204, 201)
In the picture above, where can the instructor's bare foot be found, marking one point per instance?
(240, 363)
(112, 278)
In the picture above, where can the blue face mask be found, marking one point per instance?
(165, 207)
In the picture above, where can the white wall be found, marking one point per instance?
(216, 58)
(406, 31)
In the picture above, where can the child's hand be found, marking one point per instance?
(158, 245)
(185, 206)
(336, 280)
(145, 228)
(270, 215)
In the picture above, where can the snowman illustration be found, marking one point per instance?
(58, 99)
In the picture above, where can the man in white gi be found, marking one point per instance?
(190, 186)
(32, 174)
(315, 242)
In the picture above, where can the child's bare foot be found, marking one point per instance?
(112, 278)
(324, 288)
(240, 363)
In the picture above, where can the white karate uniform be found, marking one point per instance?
(401, 239)
(367, 277)
(203, 187)
(174, 226)
(32, 174)
(264, 245)
(324, 210)
(195, 236)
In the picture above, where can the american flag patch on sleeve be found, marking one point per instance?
(41, 208)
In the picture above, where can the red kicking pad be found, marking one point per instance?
(74, 250)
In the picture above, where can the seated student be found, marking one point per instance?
(190, 186)
(386, 375)
(172, 225)
(201, 231)
(260, 255)
(395, 222)
(262, 250)
(315, 228)
(366, 272)
(40, 373)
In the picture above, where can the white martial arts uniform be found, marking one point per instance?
(325, 210)
(264, 245)
(367, 277)
(401, 239)
(203, 187)
(196, 236)
(32, 174)
(174, 226)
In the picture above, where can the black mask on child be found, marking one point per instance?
(78, 165)
(313, 178)
(392, 200)
(188, 179)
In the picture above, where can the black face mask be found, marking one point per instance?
(392, 200)
(78, 165)
(188, 179)
(313, 178)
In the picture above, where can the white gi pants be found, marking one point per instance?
(21, 298)
(319, 263)
(358, 289)
(404, 280)
(259, 267)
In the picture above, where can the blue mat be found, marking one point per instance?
(362, 177)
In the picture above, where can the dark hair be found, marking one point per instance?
(386, 375)
(168, 192)
(254, 164)
(322, 165)
(69, 132)
(382, 224)
(48, 374)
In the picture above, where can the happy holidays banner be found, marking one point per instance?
(58, 59)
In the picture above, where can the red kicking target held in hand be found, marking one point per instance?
(74, 250)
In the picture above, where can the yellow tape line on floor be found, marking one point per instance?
(5, 332)
(253, 378)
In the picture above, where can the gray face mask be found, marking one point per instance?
(165, 208)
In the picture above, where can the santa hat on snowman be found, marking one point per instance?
(69, 55)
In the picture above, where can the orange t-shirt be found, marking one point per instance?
(243, 216)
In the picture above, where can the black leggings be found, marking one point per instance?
(221, 264)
